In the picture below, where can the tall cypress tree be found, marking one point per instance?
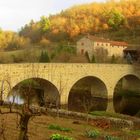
(44, 57)
(93, 60)
(41, 57)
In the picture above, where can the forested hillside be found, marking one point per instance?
(113, 20)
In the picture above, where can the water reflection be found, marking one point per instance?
(127, 96)
(15, 99)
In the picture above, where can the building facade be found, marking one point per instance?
(92, 45)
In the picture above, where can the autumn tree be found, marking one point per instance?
(94, 18)
(10, 41)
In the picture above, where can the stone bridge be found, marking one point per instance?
(102, 78)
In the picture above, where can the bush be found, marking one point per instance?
(57, 127)
(60, 137)
(92, 133)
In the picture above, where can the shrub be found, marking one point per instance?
(60, 137)
(57, 127)
(92, 133)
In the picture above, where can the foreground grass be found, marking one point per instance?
(39, 129)
(57, 127)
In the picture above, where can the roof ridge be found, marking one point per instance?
(101, 39)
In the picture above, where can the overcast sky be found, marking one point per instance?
(16, 13)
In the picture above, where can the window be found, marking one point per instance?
(82, 43)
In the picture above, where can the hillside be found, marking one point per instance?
(118, 21)
(114, 20)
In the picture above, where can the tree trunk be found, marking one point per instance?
(24, 126)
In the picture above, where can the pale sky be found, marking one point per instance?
(16, 13)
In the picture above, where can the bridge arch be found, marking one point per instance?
(87, 93)
(40, 88)
(126, 96)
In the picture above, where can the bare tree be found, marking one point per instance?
(60, 90)
(5, 87)
(87, 104)
(2, 129)
(25, 112)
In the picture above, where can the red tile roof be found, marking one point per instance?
(114, 43)
(117, 43)
(97, 38)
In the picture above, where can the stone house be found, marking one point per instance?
(91, 44)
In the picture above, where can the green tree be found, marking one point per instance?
(32, 31)
(87, 56)
(116, 19)
(44, 57)
(113, 59)
(41, 57)
(44, 23)
(93, 60)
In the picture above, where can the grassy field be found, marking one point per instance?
(42, 127)
(33, 55)
(29, 54)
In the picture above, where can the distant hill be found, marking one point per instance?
(114, 20)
